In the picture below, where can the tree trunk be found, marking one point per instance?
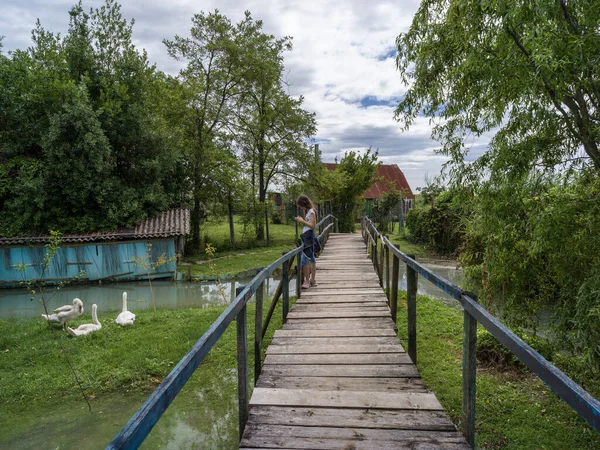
(195, 225)
(260, 231)
(267, 220)
(230, 214)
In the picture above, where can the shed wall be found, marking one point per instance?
(113, 260)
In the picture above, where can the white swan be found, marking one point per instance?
(88, 327)
(125, 317)
(66, 313)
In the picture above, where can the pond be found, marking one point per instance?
(178, 294)
(109, 296)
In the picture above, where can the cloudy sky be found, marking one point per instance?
(343, 62)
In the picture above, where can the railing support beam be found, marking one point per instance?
(285, 280)
(394, 297)
(469, 377)
(258, 332)
(242, 360)
(411, 303)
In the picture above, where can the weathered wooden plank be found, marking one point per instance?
(338, 358)
(336, 314)
(335, 333)
(380, 419)
(334, 284)
(361, 445)
(345, 399)
(349, 299)
(341, 291)
(381, 384)
(341, 370)
(333, 324)
(344, 340)
(325, 348)
(361, 437)
(331, 436)
(340, 306)
(331, 265)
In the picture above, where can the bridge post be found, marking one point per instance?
(258, 331)
(242, 360)
(469, 376)
(380, 263)
(411, 303)
(394, 296)
(285, 281)
(387, 273)
(298, 274)
(374, 255)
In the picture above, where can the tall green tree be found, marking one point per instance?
(210, 79)
(345, 185)
(85, 141)
(273, 123)
(525, 69)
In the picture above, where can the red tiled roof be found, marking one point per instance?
(173, 222)
(390, 172)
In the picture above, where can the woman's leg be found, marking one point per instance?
(306, 272)
(313, 271)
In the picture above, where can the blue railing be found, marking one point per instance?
(580, 400)
(141, 423)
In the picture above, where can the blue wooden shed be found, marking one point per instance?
(117, 255)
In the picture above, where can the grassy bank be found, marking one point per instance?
(249, 253)
(515, 410)
(37, 385)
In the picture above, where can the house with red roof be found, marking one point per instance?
(386, 173)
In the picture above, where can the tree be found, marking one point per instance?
(272, 122)
(526, 69)
(94, 99)
(385, 205)
(210, 80)
(345, 185)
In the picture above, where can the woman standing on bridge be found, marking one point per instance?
(309, 262)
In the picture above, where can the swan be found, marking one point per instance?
(88, 327)
(66, 313)
(125, 317)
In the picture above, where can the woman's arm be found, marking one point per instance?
(313, 221)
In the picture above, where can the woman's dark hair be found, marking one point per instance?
(306, 203)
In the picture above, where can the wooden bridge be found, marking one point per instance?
(337, 377)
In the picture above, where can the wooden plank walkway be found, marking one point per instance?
(336, 376)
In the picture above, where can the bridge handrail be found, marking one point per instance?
(574, 395)
(141, 423)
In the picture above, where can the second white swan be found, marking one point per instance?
(88, 327)
(125, 317)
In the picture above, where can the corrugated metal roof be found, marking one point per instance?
(390, 172)
(173, 222)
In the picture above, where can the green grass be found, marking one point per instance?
(406, 245)
(216, 232)
(36, 384)
(249, 254)
(513, 411)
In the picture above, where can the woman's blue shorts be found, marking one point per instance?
(308, 247)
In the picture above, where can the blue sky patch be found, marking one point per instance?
(391, 53)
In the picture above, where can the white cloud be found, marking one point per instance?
(338, 59)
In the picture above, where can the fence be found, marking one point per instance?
(580, 400)
(139, 426)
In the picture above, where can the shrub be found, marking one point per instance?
(492, 353)
(276, 217)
